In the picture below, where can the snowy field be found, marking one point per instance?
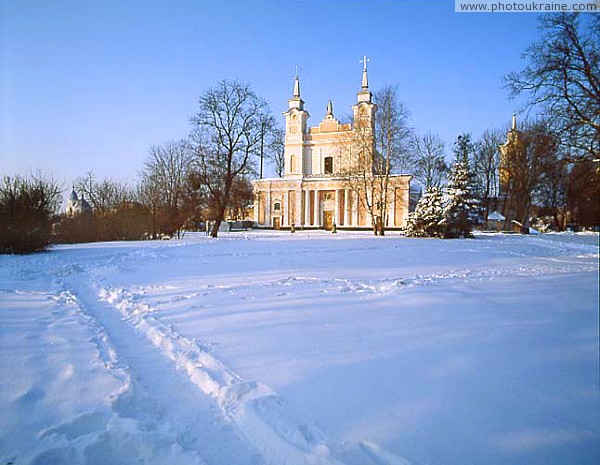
(313, 348)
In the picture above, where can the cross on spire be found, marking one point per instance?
(364, 62)
(365, 79)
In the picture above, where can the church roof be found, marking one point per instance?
(85, 206)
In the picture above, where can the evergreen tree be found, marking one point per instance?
(462, 209)
(463, 148)
(429, 217)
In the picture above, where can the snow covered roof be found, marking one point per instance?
(495, 216)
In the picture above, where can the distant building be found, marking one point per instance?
(512, 141)
(77, 206)
(503, 203)
(314, 192)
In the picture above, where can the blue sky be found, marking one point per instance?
(91, 85)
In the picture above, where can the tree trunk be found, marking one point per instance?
(223, 203)
(219, 219)
(153, 234)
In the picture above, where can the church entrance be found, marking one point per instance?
(328, 220)
(277, 222)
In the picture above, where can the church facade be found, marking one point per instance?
(316, 190)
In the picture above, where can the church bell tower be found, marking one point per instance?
(364, 110)
(295, 129)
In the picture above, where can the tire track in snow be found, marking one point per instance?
(258, 414)
(254, 412)
(165, 417)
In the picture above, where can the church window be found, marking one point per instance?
(328, 165)
(277, 207)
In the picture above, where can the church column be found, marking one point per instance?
(316, 221)
(256, 206)
(336, 207)
(392, 207)
(268, 208)
(347, 213)
(285, 208)
(298, 215)
(306, 219)
(355, 206)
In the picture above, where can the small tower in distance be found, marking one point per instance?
(510, 146)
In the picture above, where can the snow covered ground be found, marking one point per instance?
(272, 348)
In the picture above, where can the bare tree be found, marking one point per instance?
(552, 193)
(393, 133)
(103, 196)
(165, 181)
(360, 173)
(267, 126)
(486, 161)
(562, 77)
(276, 151)
(583, 194)
(524, 165)
(227, 132)
(242, 196)
(377, 149)
(428, 160)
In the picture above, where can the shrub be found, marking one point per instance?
(27, 205)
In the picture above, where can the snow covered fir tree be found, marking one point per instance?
(462, 209)
(450, 212)
(428, 219)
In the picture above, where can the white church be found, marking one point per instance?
(315, 191)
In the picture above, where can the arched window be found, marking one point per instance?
(277, 207)
(292, 163)
(328, 165)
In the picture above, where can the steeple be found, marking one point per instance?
(365, 94)
(297, 86)
(296, 102)
(514, 122)
(330, 109)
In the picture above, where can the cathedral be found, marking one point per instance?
(317, 190)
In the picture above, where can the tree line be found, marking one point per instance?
(553, 172)
(207, 175)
